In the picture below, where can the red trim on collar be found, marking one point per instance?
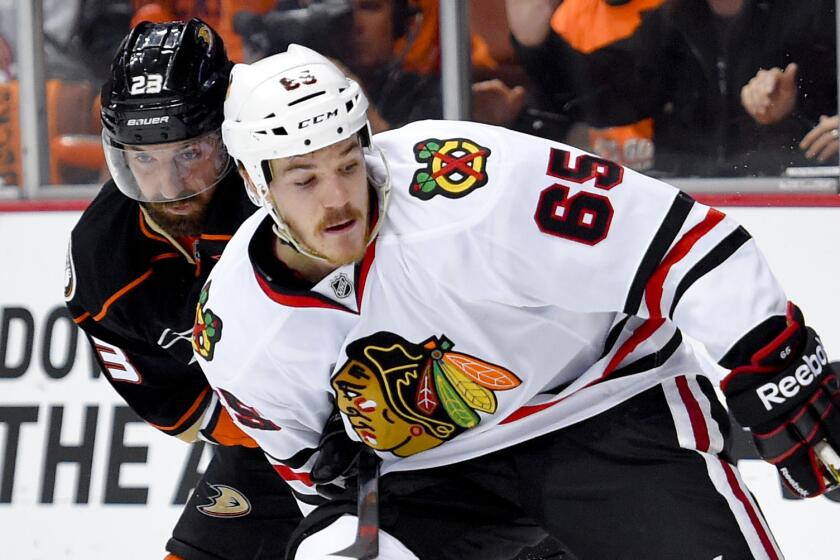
(310, 299)
(362, 270)
(314, 299)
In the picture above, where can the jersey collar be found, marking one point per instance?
(342, 289)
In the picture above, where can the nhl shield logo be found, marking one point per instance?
(341, 285)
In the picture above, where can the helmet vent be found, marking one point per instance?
(172, 39)
(349, 105)
(279, 131)
(269, 116)
(307, 97)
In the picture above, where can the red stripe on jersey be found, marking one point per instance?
(695, 415)
(296, 300)
(653, 298)
(655, 286)
(641, 334)
(313, 299)
(288, 474)
(766, 541)
(362, 273)
(527, 410)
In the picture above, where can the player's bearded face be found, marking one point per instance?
(176, 181)
(323, 197)
(182, 217)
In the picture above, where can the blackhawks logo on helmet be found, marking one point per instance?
(207, 330)
(454, 168)
(405, 398)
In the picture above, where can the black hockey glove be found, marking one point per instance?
(789, 397)
(335, 465)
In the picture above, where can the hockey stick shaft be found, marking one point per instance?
(366, 545)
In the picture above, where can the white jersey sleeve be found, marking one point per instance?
(557, 226)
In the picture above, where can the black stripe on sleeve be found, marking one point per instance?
(663, 239)
(297, 460)
(309, 499)
(650, 361)
(712, 260)
(612, 337)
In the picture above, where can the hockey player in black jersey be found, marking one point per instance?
(136, 263)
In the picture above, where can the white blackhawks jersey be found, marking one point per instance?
(517, 286)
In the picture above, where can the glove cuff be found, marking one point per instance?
(757, 394)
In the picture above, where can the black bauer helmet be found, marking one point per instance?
(167, 83)
(162, 110)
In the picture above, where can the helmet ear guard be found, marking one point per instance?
(250, 188)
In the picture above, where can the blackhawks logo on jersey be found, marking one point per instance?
(405, 398)
(454, 168)
(207, 330)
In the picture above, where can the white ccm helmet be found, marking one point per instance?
(289, 104)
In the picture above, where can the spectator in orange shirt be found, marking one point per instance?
(588, 25)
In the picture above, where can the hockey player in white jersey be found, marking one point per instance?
(503, 320)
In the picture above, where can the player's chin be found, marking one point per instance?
(345, 253)
(345, 249)
(179, 219)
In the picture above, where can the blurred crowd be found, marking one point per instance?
(702, 88)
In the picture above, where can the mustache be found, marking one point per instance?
(335, 216)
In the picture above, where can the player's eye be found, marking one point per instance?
(189, 154)
(305, 183)
(142, 158)
(350, 168)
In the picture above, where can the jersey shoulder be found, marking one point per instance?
(229, 288)
(106, 249)
(449, 176)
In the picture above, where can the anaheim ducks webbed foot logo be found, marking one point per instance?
(207, 330)
(405, 398)
(453, 168)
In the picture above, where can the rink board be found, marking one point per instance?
(83, 478)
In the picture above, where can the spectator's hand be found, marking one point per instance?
(770, 95)
(822, 141)
(529, 20)
(495, 103)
